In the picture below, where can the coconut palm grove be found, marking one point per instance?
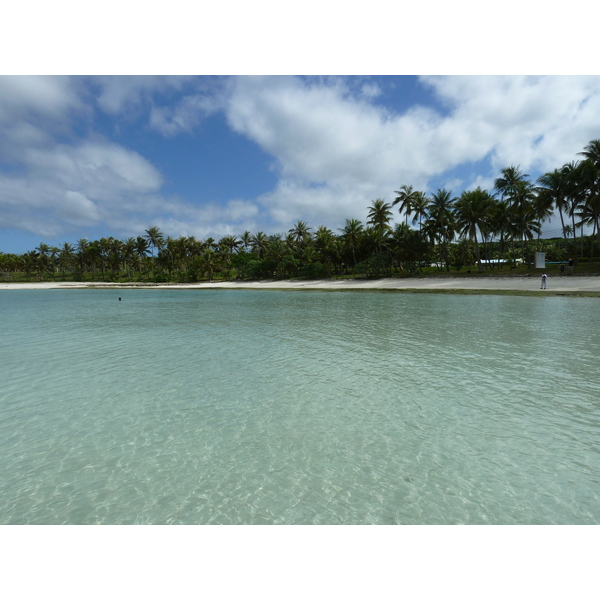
(480, 230)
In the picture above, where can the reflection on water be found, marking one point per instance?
(289, 407)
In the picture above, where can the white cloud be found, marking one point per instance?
(22, 95)
(78, 208)
(320, 205)
(33, 110)
(52, 188)
(121, 93)
(370, 90)
(184, 116)
(64, 187)
(178, 218)
(336, 151)
(239, 210)
(537, 122)
(311, 129)
(101, 169)
(335, 146)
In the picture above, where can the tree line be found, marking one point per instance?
(480, 229)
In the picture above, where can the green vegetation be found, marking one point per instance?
(480, 233)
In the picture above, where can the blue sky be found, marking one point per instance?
(93, 156)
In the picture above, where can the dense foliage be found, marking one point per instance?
(480, 229)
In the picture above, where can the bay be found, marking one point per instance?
(273, 407)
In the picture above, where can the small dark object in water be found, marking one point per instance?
(119, 299)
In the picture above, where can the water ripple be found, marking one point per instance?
(252, 407)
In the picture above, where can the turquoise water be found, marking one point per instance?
(243, 407)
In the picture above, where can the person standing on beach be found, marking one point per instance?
(544, 277)
(571, 266)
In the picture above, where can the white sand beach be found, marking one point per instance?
(521, 284)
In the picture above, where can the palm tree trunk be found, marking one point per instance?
(562, 224)
(574, 233)
(477, 256)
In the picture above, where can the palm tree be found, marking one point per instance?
(592, 152)
(443, 223)
(227, 245)
(82, 246)
(93, 254)
(43, 251)
(104, 248)
(128, 255)
(406, 198)
(54, 253)
(300, 233)
(554, 186)
(410, 246)
(192, 247)
(508, 182)
(527, 224)
(141, 250)
(514, 187)
(115, 256)
(65, 258)
(246, 238)
(420, 208)
(473, 211)
(277, 250)
(351, 235)
(523, 195)
(323, 240)
(379, 216)
(259, 243)
(370, 242)
(208, 263)
(30, 262)
(501, 223)
(574, 175)
(590, 176)
(155, 238)
(589, 214)
(542, 209)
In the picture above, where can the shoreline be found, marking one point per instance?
(565, 285)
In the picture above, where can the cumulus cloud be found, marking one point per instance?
(179, 218)
(184, 116)
(312, 130)
(25, 95)
(101, 168)
(537, 122)
(34, 110)
(120, 93)
(53, 182)
(78, 208)
(65, 187)
(335, 145)
(336, 150)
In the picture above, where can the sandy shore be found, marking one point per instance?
(518, 284)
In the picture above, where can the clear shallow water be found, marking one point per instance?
(287, 407)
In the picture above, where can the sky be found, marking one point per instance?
(94, 156)
(200, 122)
